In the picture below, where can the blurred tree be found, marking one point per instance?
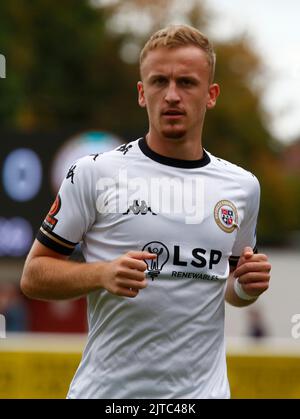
(62, 67)
(76, 63)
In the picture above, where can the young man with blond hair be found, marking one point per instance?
(168, 234)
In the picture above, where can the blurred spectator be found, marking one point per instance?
(256, 325)
(13, 307)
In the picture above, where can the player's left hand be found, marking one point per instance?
(253, 271)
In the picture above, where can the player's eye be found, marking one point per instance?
(160, 81)
(186, 82)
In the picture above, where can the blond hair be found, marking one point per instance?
(174, 36)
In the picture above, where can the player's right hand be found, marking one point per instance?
(125, 276)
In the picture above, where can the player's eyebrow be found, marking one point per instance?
(190, 77)
(155, 76)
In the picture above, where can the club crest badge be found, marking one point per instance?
(50, 220)
(226, 216)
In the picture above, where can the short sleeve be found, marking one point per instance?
(73, 211)
(246, 235)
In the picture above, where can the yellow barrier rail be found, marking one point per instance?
(42, 366)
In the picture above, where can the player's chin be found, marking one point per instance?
(174, 133)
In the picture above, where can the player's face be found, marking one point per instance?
(176, 91)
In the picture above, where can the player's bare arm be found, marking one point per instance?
(253, 273)
(48, 275)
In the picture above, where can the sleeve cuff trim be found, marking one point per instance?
(58, 239)
(58, 245)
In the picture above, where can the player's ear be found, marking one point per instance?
(141, 95)
(213, 93)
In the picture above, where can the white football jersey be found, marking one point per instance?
(197, 216)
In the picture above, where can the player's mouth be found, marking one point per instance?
(173, 114)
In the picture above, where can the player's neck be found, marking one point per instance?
(182, 148)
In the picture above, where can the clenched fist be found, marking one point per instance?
(125, 276)
(253, 271)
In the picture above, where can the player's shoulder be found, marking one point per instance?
(121, 154)
(105, 161)
(234, 171)
(230, 168)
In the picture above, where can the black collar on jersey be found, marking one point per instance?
(185, 164)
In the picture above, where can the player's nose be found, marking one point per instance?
(172, 95)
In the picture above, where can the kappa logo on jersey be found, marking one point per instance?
(50, 221)
(137, 208)
(162, 256)
(71, 173)
(226, 216)
(124, 148)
